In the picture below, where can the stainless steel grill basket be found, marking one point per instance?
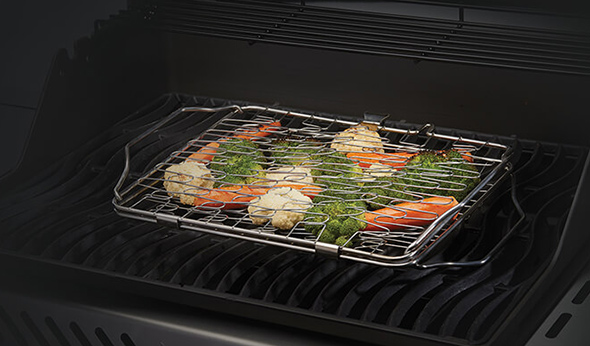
(269, 175)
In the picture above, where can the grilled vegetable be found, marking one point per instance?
(289, 174)
(238, 162)
(386, 190)
(340, 177)
(337, 222)
(425, 174)
(358, 138)
(332, 221)
(365, 160)
(402, 215)
(284, 207)
(206, 153)
(263, 130)
(396, 159)
(292, 152)
(440, 173)
(186, 177)
(238, 196)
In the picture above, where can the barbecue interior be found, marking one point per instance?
(65, 214)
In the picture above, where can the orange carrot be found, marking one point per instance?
(399, 159)
(419, 213)
(365, 160)
(238, 196)
(263, 130)
(206, 153)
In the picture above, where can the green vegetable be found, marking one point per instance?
(292, 152)
(440, 173)
(335, 222)
(430, 173)
(240, 160)
(340, 177)
(386, 190)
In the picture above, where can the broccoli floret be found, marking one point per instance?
(442, 173)
(293, 153)
(386, 190)
(339, 175)
(335, 164)
(240, 160)
(340, 241)
(341, 220)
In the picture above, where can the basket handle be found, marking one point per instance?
(153, 129)
(495, 249)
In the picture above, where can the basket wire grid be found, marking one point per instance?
(412, 210)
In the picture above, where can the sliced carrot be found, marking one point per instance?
(206, 153)
(408, 214)
(231, 197)
(399, 159)
(236, 197)
(365, 160)
(263, 130)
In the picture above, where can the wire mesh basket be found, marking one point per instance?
(359, 191)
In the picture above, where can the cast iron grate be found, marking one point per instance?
(66, 214)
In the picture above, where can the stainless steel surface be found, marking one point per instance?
(397, 239)
(568, 322)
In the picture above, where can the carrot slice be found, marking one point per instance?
(365, 160)
(399, 159)
(206, 153)
(408, 214)
(263, 130)
(237, 197)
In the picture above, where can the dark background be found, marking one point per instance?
(32, 31)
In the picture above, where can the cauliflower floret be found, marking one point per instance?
(358, 138)
(284, 206)
(291, 174)
(379, 170)
(186, 177)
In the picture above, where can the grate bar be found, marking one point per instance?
(440, 42)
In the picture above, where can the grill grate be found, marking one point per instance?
(73, 223)
(417, 38)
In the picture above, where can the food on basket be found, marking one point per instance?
(357, 138)
(206, 153)
(379, 170)
(284, 207)
(444, 173)
(335, 222)
(263, 130)
(238, 196)
(238, 161)
(340, 177)
(292, 151)
(403, 215)
(404, 190)
(393, 159)
(187, 177)
(290, 174)
(426, 174)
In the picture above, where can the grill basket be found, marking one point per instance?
(294, 147)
